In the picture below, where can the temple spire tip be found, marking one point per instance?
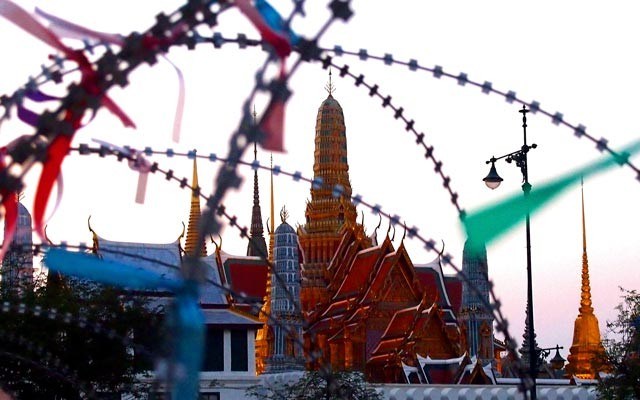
(329, 87)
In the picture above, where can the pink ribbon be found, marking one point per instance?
(143, 166)
(69, 29)
(136, 162)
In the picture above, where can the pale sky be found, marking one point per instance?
(576, 57)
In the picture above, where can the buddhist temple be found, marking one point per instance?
(587, 345)
(367, 307)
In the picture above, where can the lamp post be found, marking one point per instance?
(493, 180)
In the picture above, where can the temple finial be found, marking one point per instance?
(329, 87)
(255, 144)
(284, 214)
(191, 244)
(271, 220)
(257, 246)
(584, 230)
(585, 291)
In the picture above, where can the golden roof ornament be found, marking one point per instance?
(329, 87)
(284, 214)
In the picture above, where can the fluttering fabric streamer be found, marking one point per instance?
(65, 28)
(59, 146)
(272, 124)
(274, 31)
(37, 95)
(27, 116)
(69, 29)
(269, 24)
(137, 162)
(177, 119)
(185, 318)
(140, 164)
(493, 221)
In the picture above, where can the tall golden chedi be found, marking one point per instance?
(191, 244)
(264, 336)
(587, 345)
(328, 212)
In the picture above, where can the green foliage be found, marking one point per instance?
(80, 349)
(622, 347)
(319, 385)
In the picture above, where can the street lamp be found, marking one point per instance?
(493, 180)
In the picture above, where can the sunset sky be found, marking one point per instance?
(578, 58)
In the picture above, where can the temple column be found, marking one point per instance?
(335, 356)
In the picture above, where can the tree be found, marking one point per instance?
(314, 385)
(622, 351)
(65, 338)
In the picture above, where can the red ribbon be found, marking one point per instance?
(272, 123)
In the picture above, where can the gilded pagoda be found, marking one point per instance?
(367, 307)
(584, 355)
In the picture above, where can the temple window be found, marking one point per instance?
(214, 350)
(239, 350)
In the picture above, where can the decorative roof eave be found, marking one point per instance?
(447, 361)
(229, 317)
(436, 266)
(104, 242)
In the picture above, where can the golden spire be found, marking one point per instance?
(585, 292)
(329, 87)
(194, 218)
(272, 217)
(262, 343)
(586, 345)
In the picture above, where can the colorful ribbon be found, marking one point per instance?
(137, 162)
(69, 29)
(274, 31)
